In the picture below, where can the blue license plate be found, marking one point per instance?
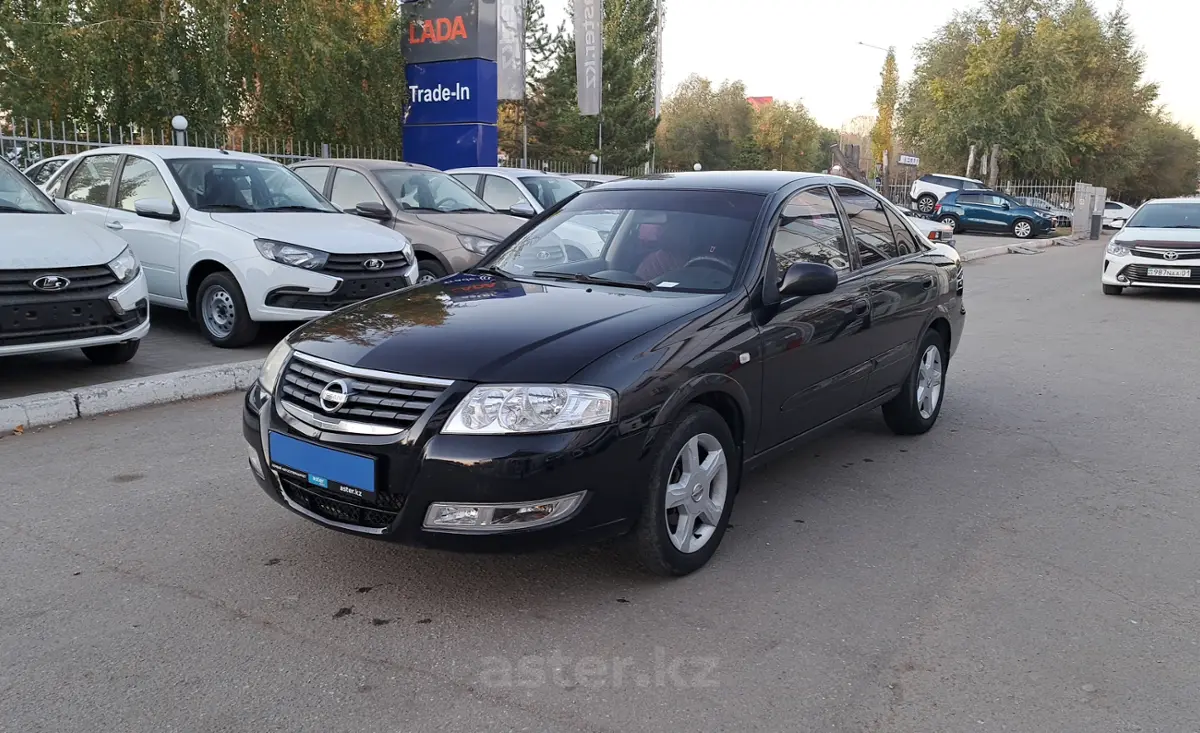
(323, 467)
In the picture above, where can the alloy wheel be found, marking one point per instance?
(929, 382)
(1023, 229)
(925, 205)
(697, 489)
(218, 311)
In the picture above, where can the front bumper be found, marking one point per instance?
(1134, 271)
(75, 321)
(276, 292)
(420, 467)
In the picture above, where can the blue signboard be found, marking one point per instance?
(450, 92)
(452, 146)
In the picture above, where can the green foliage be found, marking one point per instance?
(885, 108)
(1056, 86)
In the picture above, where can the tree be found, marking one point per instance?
(885, 109)
(542, 46)
(788, 135)
(703, 124)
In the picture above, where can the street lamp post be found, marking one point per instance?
(697, 167)
(179, 124)
(594, 159)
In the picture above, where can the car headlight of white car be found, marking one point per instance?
(291, 254)
(513, 409)
(125, 266)
(1117, 249)
(478, 245)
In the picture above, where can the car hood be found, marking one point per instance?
(1184, 238)
(35, 241)
(474, 224)
(337, 233)
(484, 329)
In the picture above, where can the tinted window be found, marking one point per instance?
(970, 198)
(350, 189)
(41, 175)
(869, 225)
(239, 184)
(91, 180)
(906, 242)
(1167, 216)
(809, 230)
(19, 195)
(470, 180)
(140, 180)
(969, 185)
(314, 175)
(549, 190)
(424, 189)
(1110, 205)
(501, 193)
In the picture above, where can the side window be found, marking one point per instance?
(140, 180)
(995, 200)
(91, 180)
(970, 198)
(501, 193)
(906, 243)
(41, 175)
(470, 180)
(1109, 205)
(351, 189)
(869, 225)
(809, 230)
(314, 175)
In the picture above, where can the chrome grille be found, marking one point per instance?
(376, 399)
(84, 281)
(1159, 253)
(353, 266)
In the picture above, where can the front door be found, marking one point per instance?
(815, 359)
(154, 241)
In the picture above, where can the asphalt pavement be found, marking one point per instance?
(1028, 566)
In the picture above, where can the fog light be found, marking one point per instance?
(491, 518)
(1122, 279)
(255, 464)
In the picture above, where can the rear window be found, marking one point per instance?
(1175, 215)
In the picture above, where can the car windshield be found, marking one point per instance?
(549, 190)
(429, 191)
(1174, 215)
(693, 241)
(230, 184)
(18, 195)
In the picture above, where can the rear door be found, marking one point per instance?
(154, 241)
(316, 176)
(815, 357)
(502, 194)
(89, 187)
(903, 288)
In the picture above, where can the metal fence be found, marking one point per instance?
(24, 142)
(1060, 194)
(580, 167)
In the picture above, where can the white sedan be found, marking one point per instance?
(1159, 247)
(1116, 214)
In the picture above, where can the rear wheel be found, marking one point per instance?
(952, 222)
(916, 408)
(222, 313)
(112, 353)
(689, 497)
(926, 202)
(1023, 229)
(1113, 289)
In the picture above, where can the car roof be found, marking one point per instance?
(506, 172)
(948, 175)
(174, 152)
(366, 164)
(760, 182)
(595, 177)
(1176, 200)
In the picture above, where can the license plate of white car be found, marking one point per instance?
(1169, 272)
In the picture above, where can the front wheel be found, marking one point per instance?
(222, 313)
(1023, 229)
(689, 497)
(110, 354)
(916, 408)
(428, 271)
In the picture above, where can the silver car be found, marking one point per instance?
(517, 191)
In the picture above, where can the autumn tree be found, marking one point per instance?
(705, 124)
(788, 135)
(885, 108)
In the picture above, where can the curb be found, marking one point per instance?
(50, 408)
(1004, 249)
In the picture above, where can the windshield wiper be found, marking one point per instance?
(19, 210)
(491, 271)
(298, 207)
(581, 278)
(1183, 226)
(225, 207)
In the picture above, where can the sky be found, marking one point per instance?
(756, 41)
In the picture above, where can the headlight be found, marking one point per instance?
(272, 367)
(1116, 249)
(125, 266)
(506, 409)
(478, 245)
(290, 254)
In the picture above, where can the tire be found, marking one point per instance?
(951, 221)
(651, 545)
(110, 354)
(1112, 289)
(1022, 229)
(908, 413)
(429, 270)
(926, 202)
(222, 314)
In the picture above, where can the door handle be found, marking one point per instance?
(114, 225)
(927, 282)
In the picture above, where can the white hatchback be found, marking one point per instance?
(233, 238)
(1159, 247)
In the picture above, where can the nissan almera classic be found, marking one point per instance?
(552, 394)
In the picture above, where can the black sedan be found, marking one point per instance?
(554, 393)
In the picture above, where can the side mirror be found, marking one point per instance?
(373, 210)
(523, 210)
(1005, 206)
(1118, 224)
(808, 278)
(156, 209)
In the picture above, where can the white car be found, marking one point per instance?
(41, 171)
(934, 231)
(1116, 214)
(233, 238)
(1159, 247)
(929, 189)
(64, 283)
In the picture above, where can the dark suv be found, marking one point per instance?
(991, 211)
